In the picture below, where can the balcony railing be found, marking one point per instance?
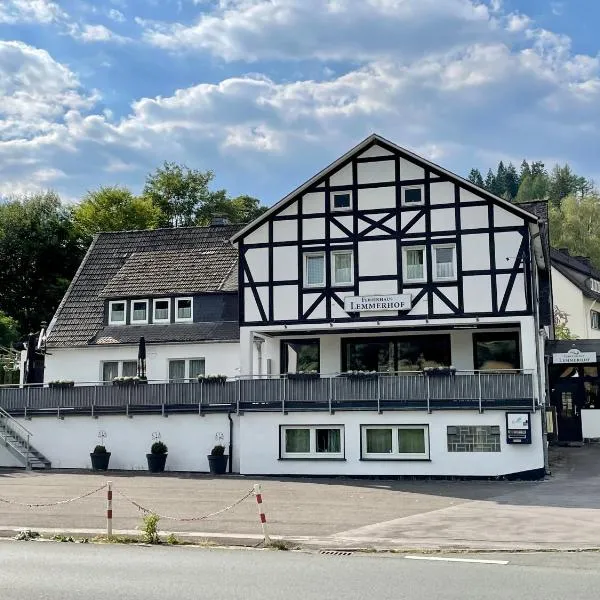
(482, 390)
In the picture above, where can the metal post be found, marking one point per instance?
(27, 463)
(479, 391)
(283, 397)
(109, 515)
(428, 395)
(378, 394)
(201, 398)
(330, 394)
(261, 513)
(239, 392)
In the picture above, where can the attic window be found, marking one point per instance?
(162, 311)
(341, 201)
(412, 196)
(595, 285)
(139, 311)
(183, 310)
(116, 313)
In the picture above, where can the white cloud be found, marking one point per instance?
(558, 8)
(517, 22)
(116, 15)
(29, 11)
(96, 33)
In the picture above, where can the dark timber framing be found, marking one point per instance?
(377, 225)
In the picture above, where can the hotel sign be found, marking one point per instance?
(377, 303)
(574, 356)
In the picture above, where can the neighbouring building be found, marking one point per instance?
(386, 318)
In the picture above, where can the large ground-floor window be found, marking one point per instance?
(394, 442)
(312, 441)
(390, 354)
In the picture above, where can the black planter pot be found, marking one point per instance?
(100, 460)
(217, 464)
(156, 462)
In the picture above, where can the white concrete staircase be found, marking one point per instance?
(16, 438)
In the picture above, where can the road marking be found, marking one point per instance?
(464, 560)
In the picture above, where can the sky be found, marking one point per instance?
(267, 92)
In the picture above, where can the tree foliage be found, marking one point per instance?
(8, 331)
(39, 253)
(113, 209)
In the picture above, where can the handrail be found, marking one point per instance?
(6, 415)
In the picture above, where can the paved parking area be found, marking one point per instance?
(559, 512)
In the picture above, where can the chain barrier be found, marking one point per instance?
(184, 519)
(47, 504)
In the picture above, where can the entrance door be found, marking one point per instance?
(568, 399)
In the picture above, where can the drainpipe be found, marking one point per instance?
(230, 442)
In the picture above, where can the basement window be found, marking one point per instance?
(316, 441)
(116, 312)
(395, 442)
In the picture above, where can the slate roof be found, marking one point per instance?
(145, 263)
(577, 269)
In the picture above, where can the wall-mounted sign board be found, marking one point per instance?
(574, 356)
(518, 428)
(377, 303)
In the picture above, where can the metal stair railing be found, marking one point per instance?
(7, 426)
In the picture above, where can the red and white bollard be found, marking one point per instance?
(261, 512)
(109, 509)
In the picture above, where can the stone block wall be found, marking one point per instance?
(473, 438)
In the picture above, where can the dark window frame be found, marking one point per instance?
(283, 357)
(494, 337)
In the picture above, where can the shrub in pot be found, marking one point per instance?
(217, 460)
(100, 458)
(157, 457)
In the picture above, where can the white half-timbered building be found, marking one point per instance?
(387, 263)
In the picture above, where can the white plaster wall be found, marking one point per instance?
(7, 460)
(258, 263)
(374, 172)
(377, 258)
(84, 364)
(442, 192)
(259, 443)
(67, 443)
(590, 423)
(375, 150)
(369, 198)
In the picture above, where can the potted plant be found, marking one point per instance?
(360, 374)
(61, 384)
(217, 460)
(100, 458)
(124, 381)
(439, 371)
(218, 379)
(304, 375)
(157, 457)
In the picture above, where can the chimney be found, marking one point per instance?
(219, 220)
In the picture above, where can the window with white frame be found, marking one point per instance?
(116, 312)
(139, 311)
(314, 441)
(183, 310)
(595, 317)
(341, 201)
(395, 442)
(314, 269)
(414, 264)
(413, 195)
(162, 311)
(342, 268)
(118, 368)
(185, 369)
(444, 262)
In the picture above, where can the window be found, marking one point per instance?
(595, 316)
(595, 285)
(162, 311)
(444, 262)
(314, 269)
(139, 311)
(116, 313)
(183, 310)
(395, 442)
(412, 195)
(414, 264)
(496, 351)
(185, 369)
(341, 201)
(408, 353)
(342, 268)
(318, 441)
(300, 356)
(118, 368)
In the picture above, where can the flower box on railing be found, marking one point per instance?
(127, 381)
(304, 375)
(360, 374)
(61, 384)
(212, 379)
(439, 371)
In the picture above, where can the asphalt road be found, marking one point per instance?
(54, 571)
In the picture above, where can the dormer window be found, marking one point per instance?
(162, 311)
(595, 285)
(341, 201)
(139, 311)
(183, 310)
(116, 312)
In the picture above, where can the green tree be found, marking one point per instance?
(561, 325)
(563, 182)
(39, 253)
(574, 225)
(241, 209)
(178, 192)
(524, 172)
(476, 177)
(490, 182)
(8, 331)
(113, 209)
(511, 181)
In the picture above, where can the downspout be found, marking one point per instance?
(536, 317)
(230, 442)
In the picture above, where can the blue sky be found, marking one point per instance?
(267, 92)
